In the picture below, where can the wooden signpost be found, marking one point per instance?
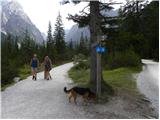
(99, 50)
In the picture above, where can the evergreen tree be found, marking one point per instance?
(10, 62)
(49, 33)
(150, 30)
(16, 42)
(97, 25)
(50, 43)
(71, 44)
(51, 50)
(140, 27)
(59, 38)
(83, 45)
(27, 47)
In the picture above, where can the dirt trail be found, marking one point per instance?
(45, 99)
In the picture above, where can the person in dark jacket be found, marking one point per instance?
(34, 65)
(47, 67)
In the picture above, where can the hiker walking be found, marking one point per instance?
(34, 65)
(47, 68)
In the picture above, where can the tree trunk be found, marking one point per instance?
(94, 32)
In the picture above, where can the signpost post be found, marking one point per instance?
(98, 74)
(99, 51)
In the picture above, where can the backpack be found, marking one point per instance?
(48, 65)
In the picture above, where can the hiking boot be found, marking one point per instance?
(33, 78)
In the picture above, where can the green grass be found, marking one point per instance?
(24, 72)
(3, 87)
(80, 77)
(121, 78)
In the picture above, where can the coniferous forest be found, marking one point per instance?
(134, 35)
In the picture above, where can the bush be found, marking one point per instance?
(78, 58)
(24, 71)
(9, 71)
(123, 59)
(81, 62)
(82, 65)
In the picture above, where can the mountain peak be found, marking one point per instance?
(12, 7)
(15, 20)
(12, 4)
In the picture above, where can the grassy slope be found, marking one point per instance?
(81, 77)
(121, 78)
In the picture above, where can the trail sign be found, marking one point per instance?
(100, 49)
(103, 49)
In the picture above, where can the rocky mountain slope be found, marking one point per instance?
(15, 21)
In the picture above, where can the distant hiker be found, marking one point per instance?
(34, 65)
(47, 68)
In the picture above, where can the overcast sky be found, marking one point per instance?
(43, 11)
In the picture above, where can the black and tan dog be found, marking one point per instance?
(86, 93)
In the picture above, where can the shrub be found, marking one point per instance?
(82, 65)
(78, 58)
(9, 71)
(24, 71)
(123, 59)
(81, 62)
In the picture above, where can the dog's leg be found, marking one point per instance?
(85, 101)
(85, 98)
(75, 97)
(70, 96)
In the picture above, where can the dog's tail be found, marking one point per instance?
(66, 91)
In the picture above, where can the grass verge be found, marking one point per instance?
(7, 85)
(121, 78)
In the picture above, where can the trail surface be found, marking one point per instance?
(44, 99)
(148, 82)
(41, 98)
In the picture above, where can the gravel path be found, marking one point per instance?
(41, 98)
(46, 100)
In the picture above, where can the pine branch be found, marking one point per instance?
(107, 6)
(84, 8)
(81, 20)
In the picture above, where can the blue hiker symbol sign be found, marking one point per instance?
(100, 49)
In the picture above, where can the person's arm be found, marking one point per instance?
(50, 63)
(43, 63)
